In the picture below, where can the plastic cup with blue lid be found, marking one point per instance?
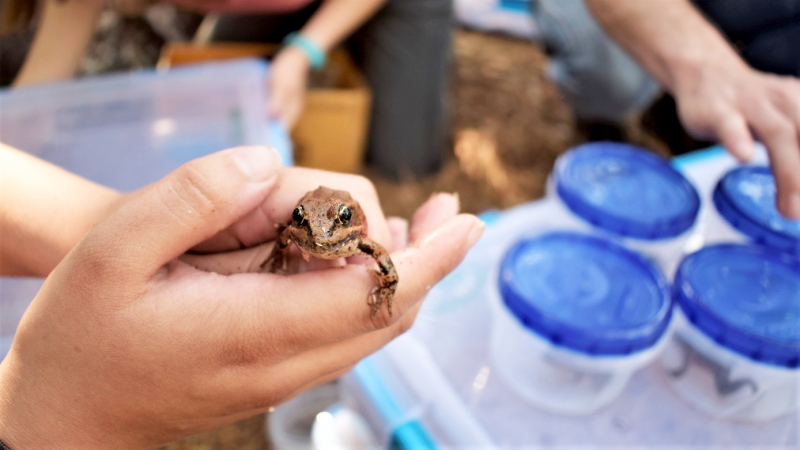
(575, 317)
(744, 211)
(736, 349)
(629, 194)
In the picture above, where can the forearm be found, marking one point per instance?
(64, 32)
(337, 19)
(670, 38)
(44, 212)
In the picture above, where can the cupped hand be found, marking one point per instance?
(736, 105)
(288, 79)
(127, 346)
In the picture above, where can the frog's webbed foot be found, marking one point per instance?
(386, 276)
(278, 259)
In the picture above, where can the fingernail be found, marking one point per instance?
(258, 162)
(476, 232)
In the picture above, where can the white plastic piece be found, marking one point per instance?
(723, 383)
(339, 428)
(289, 425)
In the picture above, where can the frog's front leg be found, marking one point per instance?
(386, 275)
(279, 257)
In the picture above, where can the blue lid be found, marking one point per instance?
(745, 298)
(585, 293)
(745, 197)
(626, 190)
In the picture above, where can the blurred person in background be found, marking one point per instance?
(401, 46)
(732, 67)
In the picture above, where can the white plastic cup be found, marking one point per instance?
(631, 196)
(736, 347)
(575, 317)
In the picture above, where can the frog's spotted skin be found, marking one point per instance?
(329, 224)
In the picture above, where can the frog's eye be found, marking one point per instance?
(298, 215)
(343, 215)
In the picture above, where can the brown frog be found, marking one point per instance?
(329, 224)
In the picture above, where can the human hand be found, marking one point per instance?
(126, 346)
(288, 79)
(735, 104)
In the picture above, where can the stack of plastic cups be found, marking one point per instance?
(576, 316)
(744, 211)
(736, 347)
(631, 196)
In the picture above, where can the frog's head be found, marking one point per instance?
(326, 220)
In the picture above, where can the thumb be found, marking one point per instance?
(191, 204)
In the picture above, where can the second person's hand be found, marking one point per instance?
(737, 104)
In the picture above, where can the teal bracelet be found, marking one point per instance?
(315, 54)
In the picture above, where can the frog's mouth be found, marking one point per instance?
(321, 247)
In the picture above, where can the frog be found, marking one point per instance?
(330, 224)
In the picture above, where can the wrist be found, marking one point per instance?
(313, 53)
(294, 56)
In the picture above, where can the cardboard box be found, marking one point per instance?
(331, 132)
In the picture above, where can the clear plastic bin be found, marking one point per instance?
(128, 130)
(631, 196)
(736, 351)
(575, 317)
(744, 211)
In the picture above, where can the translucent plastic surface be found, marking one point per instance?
(129, 130)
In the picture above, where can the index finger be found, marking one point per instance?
(782, 139)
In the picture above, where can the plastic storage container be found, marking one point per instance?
(578, 316)
(630, 195)
(736, 351)
(128, 130)
(744, 210)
